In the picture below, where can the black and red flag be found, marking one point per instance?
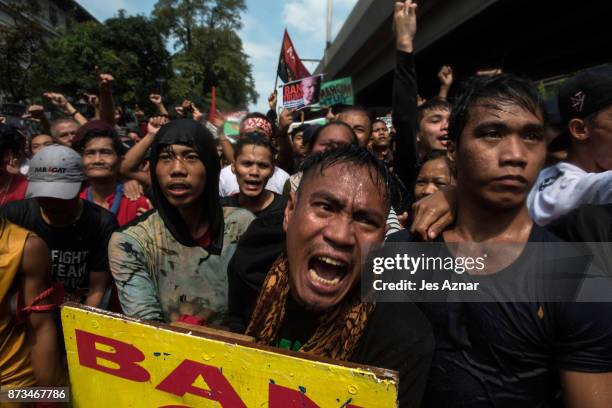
(290, 67)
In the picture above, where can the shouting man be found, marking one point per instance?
(310, 298)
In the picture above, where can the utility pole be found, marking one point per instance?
(329, 29)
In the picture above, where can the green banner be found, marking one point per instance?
(335, 92)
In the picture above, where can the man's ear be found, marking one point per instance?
(291, 204)
(578, 129)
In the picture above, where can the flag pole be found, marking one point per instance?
(280, 55)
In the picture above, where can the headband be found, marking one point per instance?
(253, 123)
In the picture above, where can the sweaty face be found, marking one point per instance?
(253, 168)
(100, 159)
(360, 123)
(434, 174)
(500, 153)
(335, 217)
(380, 135)
(433, 129)
(299, 149)
(40, 141)
(600, 137)
(181, 175)
(332, 137)
(66, 131)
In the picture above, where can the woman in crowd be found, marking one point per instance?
(435, 171)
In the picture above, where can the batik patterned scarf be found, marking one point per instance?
(339, 330)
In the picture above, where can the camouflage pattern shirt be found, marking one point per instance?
(160, 279)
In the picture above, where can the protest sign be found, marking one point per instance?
(387, 119)
(116, 361)
(302, 93)
(231, 126)
(338, 91)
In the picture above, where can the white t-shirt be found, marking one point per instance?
(563, 187)
(228, 183)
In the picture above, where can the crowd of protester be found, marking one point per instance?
(163, 220)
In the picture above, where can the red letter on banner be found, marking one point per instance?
(180, 381)
(125, 356)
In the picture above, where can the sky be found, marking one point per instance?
(262, 31)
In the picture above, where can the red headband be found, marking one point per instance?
(254, 123)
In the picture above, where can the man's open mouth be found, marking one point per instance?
(326, 272)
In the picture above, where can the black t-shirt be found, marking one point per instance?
(508, 354)
(397, 336)
(277, 205)
(77, 249)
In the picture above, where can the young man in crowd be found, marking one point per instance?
(101, 150)
(171, 262)
(76, 231)
(380, 143)
(252, 123)
(29, 351)
(310, 298)
(498, 130)
(253, 166)
(432, 117)
(585, 176)
(357, 118)
(13, 185)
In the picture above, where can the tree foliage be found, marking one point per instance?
(129, 48)
(207, 53)
(18, 43)
(208, 50)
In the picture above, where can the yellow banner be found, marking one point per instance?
(117, 362)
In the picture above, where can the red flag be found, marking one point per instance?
(290, 67)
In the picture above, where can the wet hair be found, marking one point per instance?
(58, 122)
(256, 139)
(11, 140)
(493, 92)
(378, 121)
(432, 104)
(435, 155)
(118, 146)
(315, 136)
(351, 155)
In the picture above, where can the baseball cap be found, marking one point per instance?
(55, 171)
(585, 93)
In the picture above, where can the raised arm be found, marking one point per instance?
(131, 164)
(405, 94)
(66, 107)
(107, 106)
(159, 104)
(285, 154)
(445, 76)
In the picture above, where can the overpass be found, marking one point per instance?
(537, 39)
